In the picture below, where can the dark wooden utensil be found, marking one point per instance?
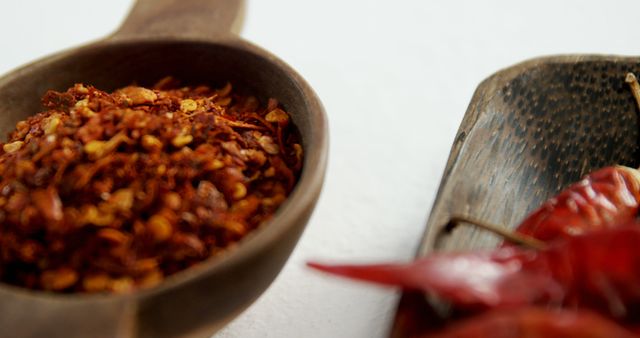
(191, 40)
(530, 130)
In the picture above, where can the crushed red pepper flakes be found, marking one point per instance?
(112, 192)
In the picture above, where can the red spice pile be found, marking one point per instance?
(111, 192)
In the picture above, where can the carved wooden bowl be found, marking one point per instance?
(530, 130)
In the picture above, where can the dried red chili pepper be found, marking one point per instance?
(605, 198)
(535, 323)
(109, 192)
(597, 270)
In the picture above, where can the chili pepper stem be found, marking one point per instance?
(635, 87)
(501, 231)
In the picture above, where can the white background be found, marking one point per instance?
(395, 78)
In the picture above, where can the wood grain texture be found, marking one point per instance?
(529, 131)
(170, 18)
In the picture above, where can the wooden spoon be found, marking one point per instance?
(191, 40)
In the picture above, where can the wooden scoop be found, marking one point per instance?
(191, 40)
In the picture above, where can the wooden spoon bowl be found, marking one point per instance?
(191, 40)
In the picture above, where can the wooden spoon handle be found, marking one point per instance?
(181, 18)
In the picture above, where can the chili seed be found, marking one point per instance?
(59, 279)
(12, 147)
(160, 228)
(151, 143)
(188, 105)
(181, 140)
(277, 115)
(139, 95)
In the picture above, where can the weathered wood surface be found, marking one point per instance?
(529, 131)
